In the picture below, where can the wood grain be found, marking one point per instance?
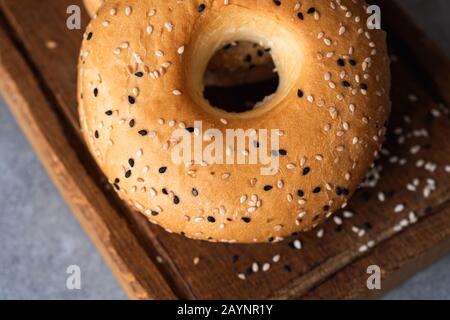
(39, 85)
(52, 142)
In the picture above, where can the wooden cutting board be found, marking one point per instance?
(38, 77)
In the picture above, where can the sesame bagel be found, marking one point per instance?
(140, 84)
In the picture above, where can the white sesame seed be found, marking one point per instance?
(363, 248)
(337, 220)
(169, 26)
(412, 97)
(320, 233)
(399, 208)
(347, 214)
(297, 244)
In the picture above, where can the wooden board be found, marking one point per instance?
(38, 80)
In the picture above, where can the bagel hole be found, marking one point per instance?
(239, 76)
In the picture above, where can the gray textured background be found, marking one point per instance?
(40, 238)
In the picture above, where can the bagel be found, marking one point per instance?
(140, 81)
(237, 63)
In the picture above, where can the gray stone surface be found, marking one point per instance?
(40, 238)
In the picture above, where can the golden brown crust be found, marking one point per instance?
(237, 63)
(331, 107)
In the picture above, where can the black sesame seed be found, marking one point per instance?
(131, 100)
(164, 191)
(260, 53)
(128, 174)
(143, 132)
(176, 200)
(89, 36)
(132, 123)
(95, 92)
(367, 226)
(282, 152)
(162, 170)
(345, 191)
(352, 62)
(109, 113)
(190, 129)
(363, 86)
(287, 268)
(300, 193)
(116, 186)
(154, 213)
(300, 16)
(300, 93)
(117, 180)
(306, 170)
(248, 58)
(227, 46)
(139, 74)
(194, 192)
(345, 83)
(339, 191)
(131, 162)
(267, 188)
(317, 189)
(211, 219)
(277, 2)
(311, 10)
(246, 219)
(341, 62)
(201, 7)
(326, 208)
(96, 134)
